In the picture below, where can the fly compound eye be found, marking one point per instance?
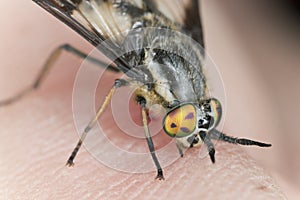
(216, 110)
(212, 114)
(180, 121)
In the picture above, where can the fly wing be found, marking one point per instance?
(112, 20)
(97, 21)
(183, 12)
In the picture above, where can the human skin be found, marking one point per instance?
(38, 132)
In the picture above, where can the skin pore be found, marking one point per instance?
(38, 132)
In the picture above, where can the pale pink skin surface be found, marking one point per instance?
(37, 133)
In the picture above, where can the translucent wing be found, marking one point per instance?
(184, 12)
(99, 20)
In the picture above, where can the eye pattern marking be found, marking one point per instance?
(173, 125)
(181, 121)
(185, 129)
(189, 116)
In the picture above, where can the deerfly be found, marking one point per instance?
(143, 38)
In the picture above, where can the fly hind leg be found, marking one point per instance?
(49, 64)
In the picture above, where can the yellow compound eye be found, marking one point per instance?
(217, 110)
(181, 121)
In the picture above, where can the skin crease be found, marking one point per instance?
(38, 132)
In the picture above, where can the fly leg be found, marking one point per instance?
(49, 64)
(210, 146)
(179, 147)
(142, 102)
(118, 83)
(217, 135)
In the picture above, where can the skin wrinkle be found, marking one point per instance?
(82, 174)
(227, 155)
(121, 187)
(34, 150)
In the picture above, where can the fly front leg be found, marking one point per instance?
(210, 146)
(142, 102)
(217, 135)
(180, 148)
(50, 63)
(118, 83)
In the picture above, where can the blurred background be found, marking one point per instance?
(255, 44)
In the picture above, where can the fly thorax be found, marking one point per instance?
(171, 83)
(147, 91)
